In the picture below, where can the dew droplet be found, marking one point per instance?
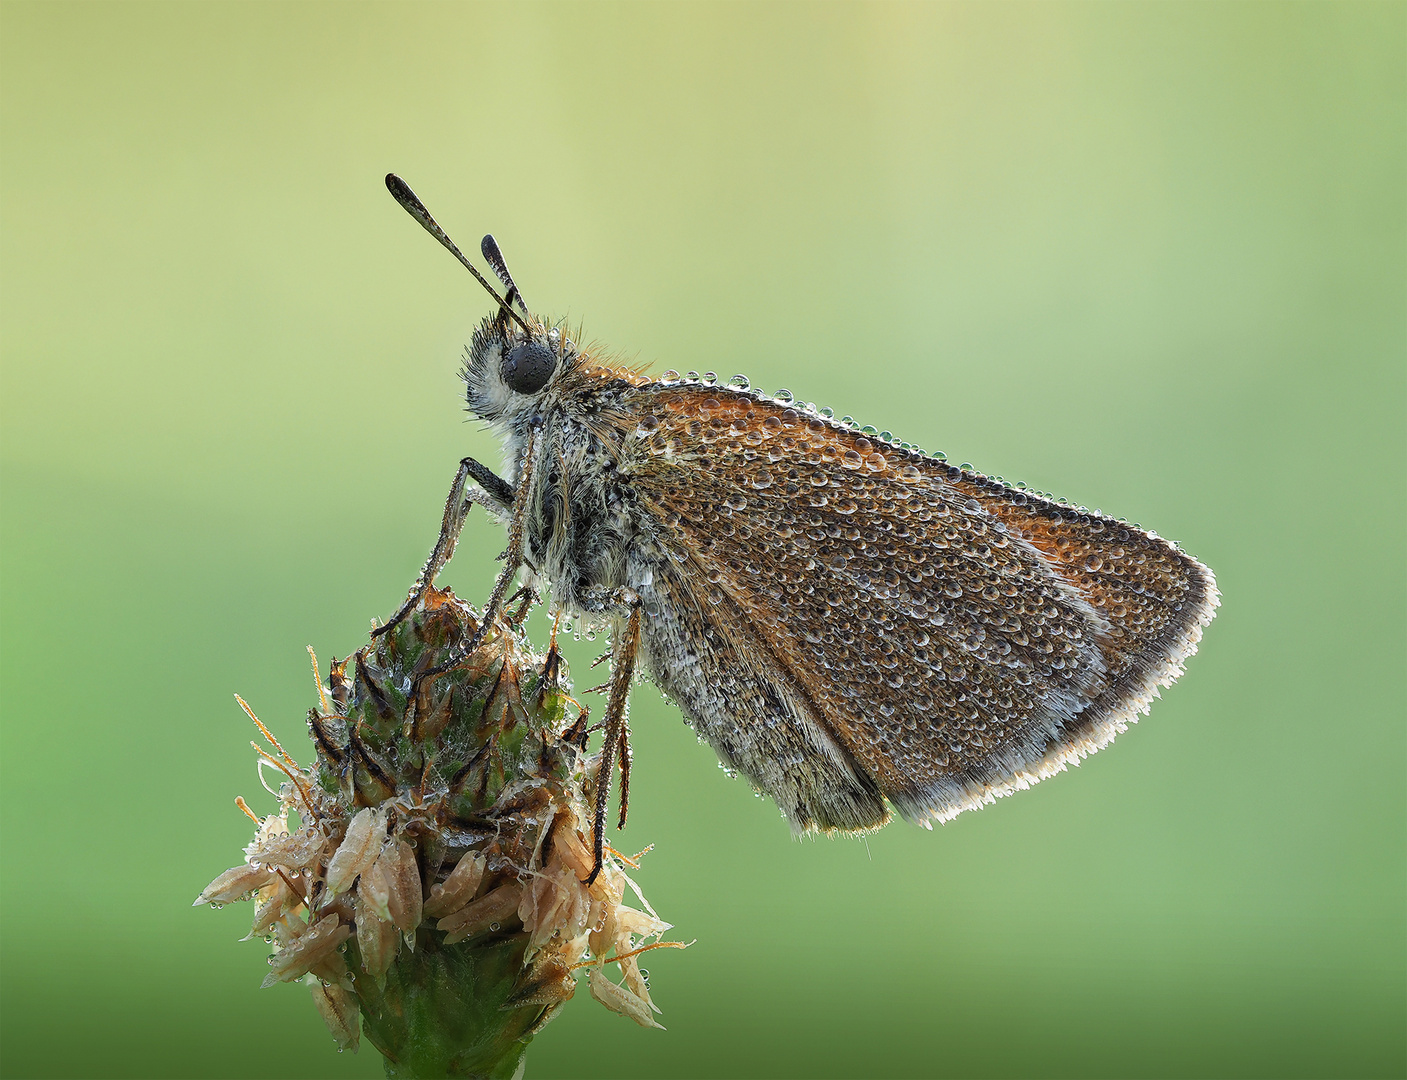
(740, 382)
(782, 394)
(670, 376)
(710, 378)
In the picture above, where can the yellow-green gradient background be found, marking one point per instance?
(1150, 258)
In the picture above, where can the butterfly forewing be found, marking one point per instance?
(951, 639)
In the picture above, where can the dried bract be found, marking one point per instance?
(458, 889)
(338, 1008)
(404, 895)
(293, 851)
(357, 851)
(621, 1000)
(235, 883)
(314, 945)
(374, 889)
(486, 913)
(377, 939)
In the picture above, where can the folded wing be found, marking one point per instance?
(953, 639)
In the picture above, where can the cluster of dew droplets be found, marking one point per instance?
(783, 396)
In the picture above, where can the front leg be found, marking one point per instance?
(497, 498)
(625, 649)
(512, 556)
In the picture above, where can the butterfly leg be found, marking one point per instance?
(512, 560)
(624, 773)
(625, 649)
(497, 498)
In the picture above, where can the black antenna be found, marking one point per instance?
(401, 192)
(489, 247)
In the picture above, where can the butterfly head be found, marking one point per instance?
(508, 371)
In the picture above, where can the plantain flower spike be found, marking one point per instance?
(425, 876)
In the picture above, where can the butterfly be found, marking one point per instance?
(850, 623)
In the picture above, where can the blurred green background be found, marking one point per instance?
(1152, 258)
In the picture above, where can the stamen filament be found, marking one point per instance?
(267, 733)
(317, 680)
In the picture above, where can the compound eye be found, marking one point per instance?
(528, 366)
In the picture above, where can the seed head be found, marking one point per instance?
(427, 870)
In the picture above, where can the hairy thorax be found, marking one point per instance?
(582, 531)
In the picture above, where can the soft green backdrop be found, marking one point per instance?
(1151, 258)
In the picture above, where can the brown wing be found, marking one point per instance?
(959, 639)
(709, 654)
